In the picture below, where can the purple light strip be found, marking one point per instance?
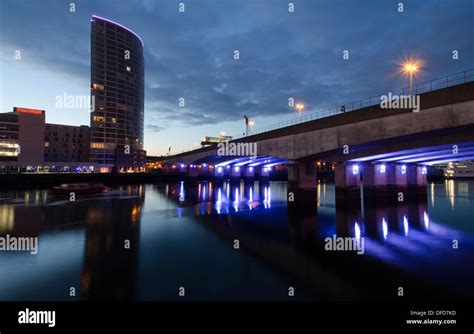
(118, 24)
(260, 161)
(281, 162)
(439, 155)
(456, 159)
(228, 162)
(414, 155)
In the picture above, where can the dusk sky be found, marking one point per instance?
(190, 55)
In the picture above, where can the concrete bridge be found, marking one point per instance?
(385, 149)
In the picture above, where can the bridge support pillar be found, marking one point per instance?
(249, 173)
(379, 183)
(182, 168)
(417, 182)
(264, 173)
(387, 184)
(218, 172)
(205, 171)
(302, 184)
(410, 180)
(192, 171)
(401, 176)
(421, 173)
(235, 172)
(347, 180)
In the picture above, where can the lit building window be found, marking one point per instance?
(97, 145)
(129, 69)
(121, 106)
(98, 86)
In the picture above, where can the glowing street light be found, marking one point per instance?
(248, 124)
(410, 67)
(299, 107)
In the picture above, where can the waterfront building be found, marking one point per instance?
(66, 143)
(21, 138)
(462, 169)
(117, 90)
(29, 145)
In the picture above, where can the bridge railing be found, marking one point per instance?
(424, 87)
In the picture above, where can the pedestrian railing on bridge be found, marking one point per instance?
(444, 82)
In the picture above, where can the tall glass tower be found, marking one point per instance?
(117, 90)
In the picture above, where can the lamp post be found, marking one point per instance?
(299, 107)
(248, 124)
(410, 68)
(251, 124)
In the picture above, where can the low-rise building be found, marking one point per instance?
(29, 145)
(66, 143)
(21, 138)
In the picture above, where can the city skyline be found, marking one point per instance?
(312, 156)
(190, 55)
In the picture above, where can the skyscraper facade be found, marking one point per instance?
(117, 90)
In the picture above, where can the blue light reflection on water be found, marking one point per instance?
(182, 236)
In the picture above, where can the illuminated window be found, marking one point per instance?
(98, 118)
(98, 86)
(97, 145)
(129, 69)
(121, 106)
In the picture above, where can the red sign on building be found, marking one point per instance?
(29, 111)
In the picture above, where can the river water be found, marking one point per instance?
(209, 241)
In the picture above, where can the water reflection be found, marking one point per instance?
(7, 218)
(450, 192)
(111, 253)
(383, 220)
(400, 234)
(225, 196)
(111, 224)
(124, 245)
(384, 228)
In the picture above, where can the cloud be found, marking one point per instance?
(282, 54)
(155, 128)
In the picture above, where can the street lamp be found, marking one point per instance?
(248, 124)
(410, 67)
(299, 107)
(251, 124)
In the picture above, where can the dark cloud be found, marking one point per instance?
(155, 128)
(282, 54)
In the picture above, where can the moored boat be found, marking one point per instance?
(80, 188)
